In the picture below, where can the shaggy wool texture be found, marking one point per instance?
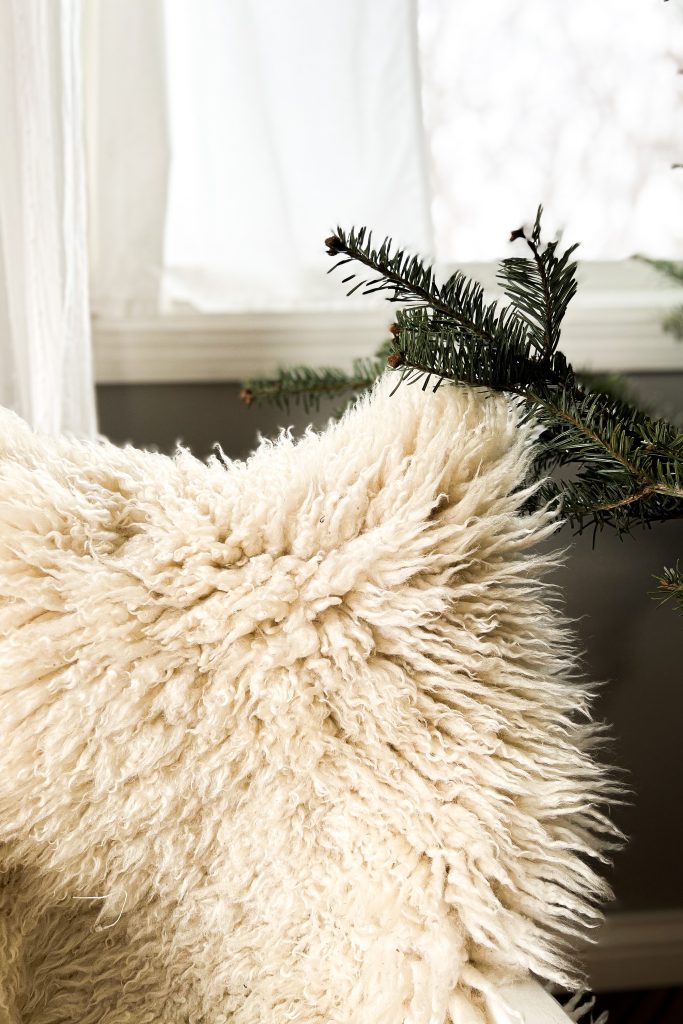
(298, 739)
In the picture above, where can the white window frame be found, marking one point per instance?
(614, 325)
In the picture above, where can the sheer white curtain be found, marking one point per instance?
(281, 119)
(45, 357)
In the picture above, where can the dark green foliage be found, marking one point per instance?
(306, 386)
(540, 289)
(601, 456)
(670, 587)
(627, 466)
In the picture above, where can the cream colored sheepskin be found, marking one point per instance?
(295, 741)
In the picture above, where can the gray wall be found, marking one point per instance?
(630, 643)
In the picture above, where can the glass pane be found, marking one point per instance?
(573, 104)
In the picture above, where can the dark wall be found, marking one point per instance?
(632, 644)
(198, 415)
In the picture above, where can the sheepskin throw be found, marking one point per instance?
(293, 741)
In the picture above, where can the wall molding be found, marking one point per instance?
(614, 324)
(212, 348)
(637, 950)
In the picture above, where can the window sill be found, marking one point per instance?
(613, 325)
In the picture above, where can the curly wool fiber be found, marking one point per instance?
(296, 740)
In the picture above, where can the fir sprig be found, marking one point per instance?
(308, 386)
(540, 289)
(625, 467)
(629, 464)
(670, 587)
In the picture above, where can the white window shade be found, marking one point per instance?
(286, 119)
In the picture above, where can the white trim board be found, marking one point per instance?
(613, 324)
(637, 950)
(239, 345)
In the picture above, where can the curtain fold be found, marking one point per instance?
(46, 371)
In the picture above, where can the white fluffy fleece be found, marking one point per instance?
(295, 741)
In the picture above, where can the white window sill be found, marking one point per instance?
(614, 324)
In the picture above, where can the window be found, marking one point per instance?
(226, 139)
(578, 105)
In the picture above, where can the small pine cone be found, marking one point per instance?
(395, 360)
(395, 330)
(333, 244)
(246, 396)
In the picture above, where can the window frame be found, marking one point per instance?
(614, 325)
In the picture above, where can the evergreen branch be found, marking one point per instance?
(408, 279)
(305, 386)
(594, 422)
(670, 268)
(614, 475)
(540, 289)
(629, 465)
(670, 587)
(603, 422)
